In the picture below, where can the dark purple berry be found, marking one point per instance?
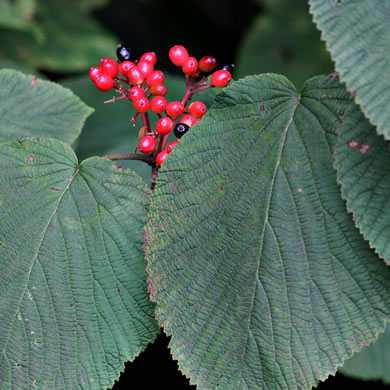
(123, 53)
(180, 129)
(229, 68)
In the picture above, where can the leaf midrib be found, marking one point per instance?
(282, 145)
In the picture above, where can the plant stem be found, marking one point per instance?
(146, 122)
(148, 159)
(202, 89)
(155, 169)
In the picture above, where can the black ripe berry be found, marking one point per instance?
(123, 53)
(180, 129)
(229, 68)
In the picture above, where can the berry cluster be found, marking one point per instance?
(143, 85)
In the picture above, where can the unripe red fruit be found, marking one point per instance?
(94, 73)
(187, 119)
(164, 125)
(221, 78)
(104, 82)
(174, 109)
(141, 104)
(207, 64)
(135, 93)
(190, 66)
(158, 89)
(171, 146)
(145, 67)
(149, 56)
(147, 144)
(197, 109)
(158, 104)
(178, 54)
(124, 67)
(109, 67)
(157, 77)
(135, 76)
(161, 157)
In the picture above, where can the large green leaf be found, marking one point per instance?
(362, 161)
(73, 299)
(372, 363)
(33, 107)
(17, 14)
(283, 40)
(258, 271)
(357, 36)
(73, 41)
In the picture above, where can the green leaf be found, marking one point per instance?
(90, 4)
(283, 40)
(73, 41)
(357, 36)
(258, 271)
(33, 107)
(17, 14)
(362, 160)
(372, 363)
(73, 301)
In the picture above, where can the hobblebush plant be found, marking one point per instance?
(259, 244)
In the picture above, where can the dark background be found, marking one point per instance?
(155, 369)
(204, 27)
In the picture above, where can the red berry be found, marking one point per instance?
(174, 109)
(104, 82)
(178, 54)
(124, 67)
(197, 109)
(147, 144)
(187, 119)
(135, 93)
(207, 64)
(149, 56)
(158, 89)
(221, 78)
(109, 67)
(94, 73)
(141, 104)
(164, 125)
(195, 121)
(135, 76)
(171, 146)
(145, 67)
(161, 157)
(190, 66)
(157, 77)
(158, 104)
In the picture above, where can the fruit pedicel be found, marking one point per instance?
(141, 84)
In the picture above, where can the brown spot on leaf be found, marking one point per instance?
(352, 144)
(262, 110)
(55, 189)
(364, 148)
(333, 76)
(221, 188)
